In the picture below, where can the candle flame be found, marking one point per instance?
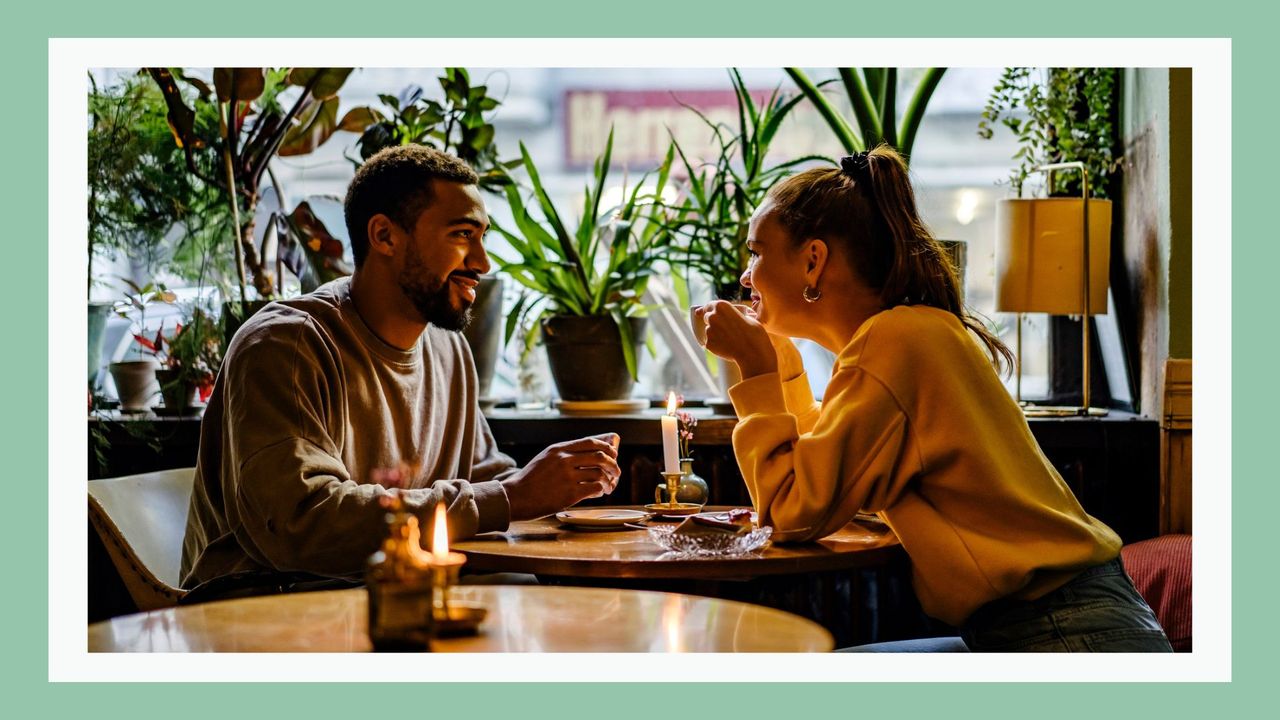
(671, 403)
(440, 536)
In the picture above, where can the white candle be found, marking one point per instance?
(670, 437)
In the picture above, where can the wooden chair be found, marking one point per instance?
(141, 520)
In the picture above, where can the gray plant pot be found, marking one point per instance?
(136, 384)
(484, 333)
(586, 356)
(958, 251)
(98, 314)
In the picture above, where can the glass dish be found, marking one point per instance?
(709, 545)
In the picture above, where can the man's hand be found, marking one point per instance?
(564, 474)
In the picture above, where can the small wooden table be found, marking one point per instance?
(849, 582)
(522, 618)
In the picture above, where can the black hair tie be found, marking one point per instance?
(856, 166)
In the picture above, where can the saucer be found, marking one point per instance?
(601, 407)
(463, 619)
(601, 517)
(680, 509)
(162, 411)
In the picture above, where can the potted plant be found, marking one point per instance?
(135, 378)
(587, 283)
(138, 193)
(720, 196)
(189, 360)
(230, 132)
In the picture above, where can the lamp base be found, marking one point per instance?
(1030, 410)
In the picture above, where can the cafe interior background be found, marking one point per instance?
(150, 271)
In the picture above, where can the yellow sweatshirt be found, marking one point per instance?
(916, 426)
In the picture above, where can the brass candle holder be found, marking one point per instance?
(448, 618)
(672, 507)
(673, 487)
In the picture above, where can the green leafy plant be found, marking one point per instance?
(459, 124)
(229, 134)
(139, 195)
(601, 268)
(872, 93)
(720, 196)
(1070, 116)
(193, 352)
(137, 298)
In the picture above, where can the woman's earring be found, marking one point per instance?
(811, 294)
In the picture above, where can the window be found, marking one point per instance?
(563, 116)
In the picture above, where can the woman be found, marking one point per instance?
(915, 424)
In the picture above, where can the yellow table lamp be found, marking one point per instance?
(1041, 258)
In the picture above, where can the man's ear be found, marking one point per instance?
(383, 235)
(816, 254)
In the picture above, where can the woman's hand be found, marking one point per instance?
(734, 334)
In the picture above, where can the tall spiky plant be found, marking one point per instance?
(602, 267)
(721, 195)
(873, 94)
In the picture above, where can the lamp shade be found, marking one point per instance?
(1040, 255)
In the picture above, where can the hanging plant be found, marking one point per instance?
(1057, 115)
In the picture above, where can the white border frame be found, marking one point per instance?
(69, 59)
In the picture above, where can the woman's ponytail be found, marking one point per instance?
(868, 204)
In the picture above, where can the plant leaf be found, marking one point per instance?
(327, 86)
(246, 83)
(864, 108)
(315, 125)
(360, 118)
(844, 133)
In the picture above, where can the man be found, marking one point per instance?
(318, 394)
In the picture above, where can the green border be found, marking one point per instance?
(25, 49)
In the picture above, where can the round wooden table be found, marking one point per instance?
(545, 547)
(521, 618)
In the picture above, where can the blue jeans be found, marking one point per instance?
(1098, 610)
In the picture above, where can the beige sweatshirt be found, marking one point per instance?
(916, 426)
(308, 403)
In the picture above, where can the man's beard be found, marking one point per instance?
(430, 296)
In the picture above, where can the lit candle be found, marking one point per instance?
(670, 443)
(440, 537)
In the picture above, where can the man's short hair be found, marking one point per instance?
(396, 182)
